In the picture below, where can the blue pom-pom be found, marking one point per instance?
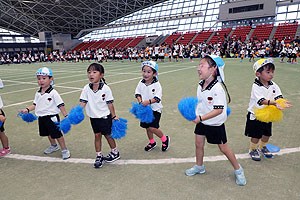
(118, 129)
(28, 117)
(187, 107)
(1, 123)
(143, 113)
(64, 125)
(228, 111)
(76, 115)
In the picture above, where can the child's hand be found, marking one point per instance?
(24, 111)
(145, 103)
(278, 106)
(116, 118)
(197, 120)
(287, 104)
(2, 118)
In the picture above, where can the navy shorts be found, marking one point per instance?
(213, 134)
(256, 129)
(155, 123)
(102, 125)
(2, 126)
(47, 126)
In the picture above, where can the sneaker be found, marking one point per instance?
(266, 152)
(166, 144)
(195, 170)
(65, 154)
(255, 155)
(240, 178)
(111, 157)
(51, 149)
(150, 146)
(4, 152)
(98, 162)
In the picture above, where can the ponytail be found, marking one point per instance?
(103, 81)
(229, 98)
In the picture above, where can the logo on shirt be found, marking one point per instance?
(274, 91)
(153, 90)
(210, 99)
(49, 99)
(103, 97)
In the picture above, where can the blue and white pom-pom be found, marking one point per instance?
(27, 117)
(76, 115)
(143, 113)
(228, 111)
(64, 125)
(118, 129)
(187, 107)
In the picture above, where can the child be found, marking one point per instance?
(149, 92)
(47, 105)
(211, 114)
(98, 99)
(264, 92)
(4, 139)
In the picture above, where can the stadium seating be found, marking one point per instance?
(262, 32)
(136, 41)
(286, 30)
(241, 32)
(114, 43)
(219, 35)
(79, 46)
(202, 36)
(124, 43)
(105, 43)
(96, 44)
(172, 38)
(89, 44)
(187, 37)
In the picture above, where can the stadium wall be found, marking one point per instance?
(232, 11)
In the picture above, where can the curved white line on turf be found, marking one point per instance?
(142, 162)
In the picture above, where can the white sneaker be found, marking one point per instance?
(65, 154)
(51, 149)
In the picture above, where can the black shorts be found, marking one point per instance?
(256, 129)
(155, 123)
(47, 127)
(213, 134)
(2, 126)
(102, 125)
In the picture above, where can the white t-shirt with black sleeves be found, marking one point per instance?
(213, 97)
(97, 101)
(47, 103)
(152, 91)
(259, 93)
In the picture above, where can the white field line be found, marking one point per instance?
(111, 69)
(79, 89)
(142, 162)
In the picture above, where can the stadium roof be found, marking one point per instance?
(65, 16)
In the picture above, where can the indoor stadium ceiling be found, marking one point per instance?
(65, 16)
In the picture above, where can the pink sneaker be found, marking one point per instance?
(4, 152)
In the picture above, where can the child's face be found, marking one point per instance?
(148, 74)
(44, 81)
(266, 75)
(204, 70)
(95, 76)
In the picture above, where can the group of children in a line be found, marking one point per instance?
(211, 111)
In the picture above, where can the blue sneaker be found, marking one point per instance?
(195, 170)
(240, 178)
